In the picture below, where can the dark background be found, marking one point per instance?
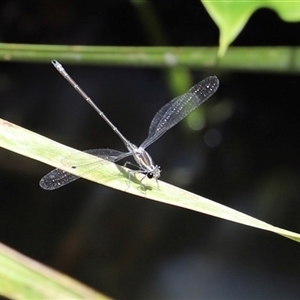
(246, 157)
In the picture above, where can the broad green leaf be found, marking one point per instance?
(32, 145)
(232, 16)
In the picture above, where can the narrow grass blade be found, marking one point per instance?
(32, 145)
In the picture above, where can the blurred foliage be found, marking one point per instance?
(232, 16)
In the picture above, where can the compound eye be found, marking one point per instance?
(150, 175)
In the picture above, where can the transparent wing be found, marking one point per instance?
(58, 178)
(178, 108)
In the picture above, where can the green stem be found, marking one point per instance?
(268, 59)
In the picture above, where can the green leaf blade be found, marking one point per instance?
(37, 147)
